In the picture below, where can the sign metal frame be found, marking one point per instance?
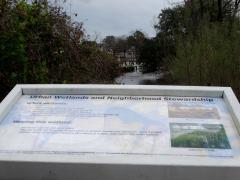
(141, 166)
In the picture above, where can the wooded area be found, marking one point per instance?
(206, 35)
(197, 43)
(40, 44)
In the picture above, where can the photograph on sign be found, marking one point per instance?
(199, 136)
(179, 110)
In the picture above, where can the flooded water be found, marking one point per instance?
(138, 78)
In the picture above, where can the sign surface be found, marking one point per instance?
(144, 125)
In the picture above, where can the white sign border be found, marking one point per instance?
(218, 92)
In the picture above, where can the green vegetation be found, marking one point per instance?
(198, 42)
(207, 52)
(40, 44)
(207, 138)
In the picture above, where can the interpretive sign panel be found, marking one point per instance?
(62, 132)
(146, 125)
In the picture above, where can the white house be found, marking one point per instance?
(128, 58)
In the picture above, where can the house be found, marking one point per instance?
(128, 58)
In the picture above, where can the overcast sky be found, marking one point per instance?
(117, 17)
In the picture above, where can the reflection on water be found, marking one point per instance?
(138, 78)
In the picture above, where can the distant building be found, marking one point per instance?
(128, 58)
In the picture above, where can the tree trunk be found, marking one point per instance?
(235, 11)
(219, 16)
